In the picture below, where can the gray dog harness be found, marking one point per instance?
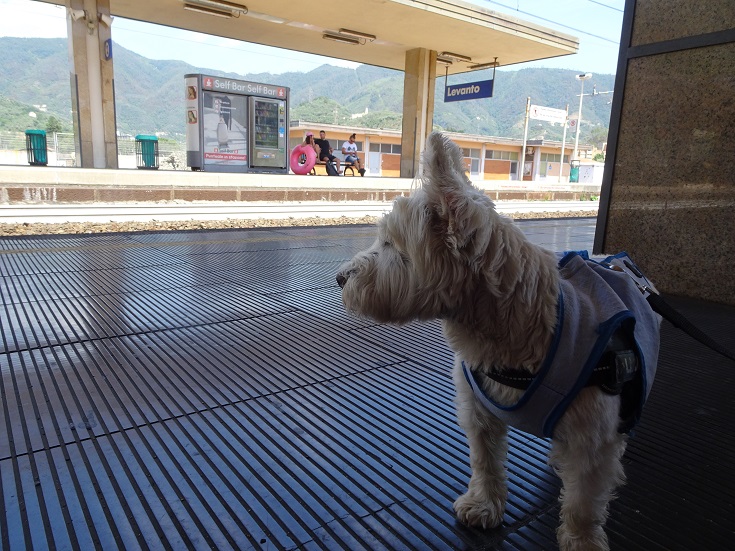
(600, 303)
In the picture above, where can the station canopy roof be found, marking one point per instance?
(375, 32)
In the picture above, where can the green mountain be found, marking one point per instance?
(150, 99)
(17, 117)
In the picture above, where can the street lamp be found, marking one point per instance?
(581, 78)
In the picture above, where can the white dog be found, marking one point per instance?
(561, 348)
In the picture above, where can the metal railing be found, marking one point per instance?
(62, 150)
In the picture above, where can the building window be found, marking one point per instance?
(389, 148)
(553, 158)
(493, 155)
(473, 155)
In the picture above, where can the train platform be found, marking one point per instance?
(207, 390)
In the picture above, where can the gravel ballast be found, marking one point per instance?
(230, 223)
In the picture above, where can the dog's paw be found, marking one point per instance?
(593, 539)
(477, 513)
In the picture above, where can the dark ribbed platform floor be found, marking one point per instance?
(200, 390)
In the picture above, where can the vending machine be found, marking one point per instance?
(236, 125)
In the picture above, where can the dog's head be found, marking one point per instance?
(429, 247)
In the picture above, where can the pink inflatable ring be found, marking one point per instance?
(305, 152)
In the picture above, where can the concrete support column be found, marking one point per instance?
(419, 82)
(92, 83)
(483, 149)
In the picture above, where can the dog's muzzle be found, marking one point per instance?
(342, 278)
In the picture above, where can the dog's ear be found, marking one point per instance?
(450, 193)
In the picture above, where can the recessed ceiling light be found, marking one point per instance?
(458, 57)
(483, 66)
(224, 4)
(208, 11)
(358, 34)
(341, 38)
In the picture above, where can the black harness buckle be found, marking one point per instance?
(616, 368)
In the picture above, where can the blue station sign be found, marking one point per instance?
(468, 90)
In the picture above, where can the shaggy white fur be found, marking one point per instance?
(444, 252)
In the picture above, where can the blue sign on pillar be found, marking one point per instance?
(108, 48)
(469, 90)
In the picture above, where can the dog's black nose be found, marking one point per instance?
(341, 280)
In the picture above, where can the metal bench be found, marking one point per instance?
(345, 167)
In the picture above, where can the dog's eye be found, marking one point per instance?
(387, 244)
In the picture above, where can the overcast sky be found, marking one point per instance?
(596, 23)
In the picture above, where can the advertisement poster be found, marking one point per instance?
(235, 125)
(192, 114)
(224, 121)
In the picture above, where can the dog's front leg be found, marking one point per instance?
(484, 503)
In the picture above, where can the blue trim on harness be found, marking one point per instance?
(568, 255)
(605, 331)
(641, 356)
(539, 377)
(610, 296)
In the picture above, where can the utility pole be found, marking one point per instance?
(582, 78)
(563, 143)
(579, 115)
(522, 164)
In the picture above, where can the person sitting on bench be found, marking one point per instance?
(349, 150)
(325, 153)
(309, 140)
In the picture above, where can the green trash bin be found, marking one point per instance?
(574, 173)
(146, 151)
(36, 147)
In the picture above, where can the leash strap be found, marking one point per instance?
(661, 307)
(664, 309)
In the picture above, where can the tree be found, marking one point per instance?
(381, 119)
(598, 136)
(53, 125)
(322, 109)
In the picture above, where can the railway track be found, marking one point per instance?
(144, 212)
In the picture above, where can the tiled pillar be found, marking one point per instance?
(668, 195)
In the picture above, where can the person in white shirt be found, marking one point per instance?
(349, 150)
